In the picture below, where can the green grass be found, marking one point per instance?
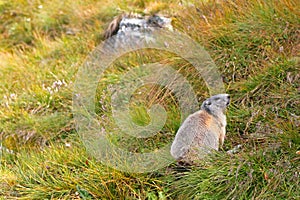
(255, 45)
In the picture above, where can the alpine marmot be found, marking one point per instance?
(202, 131)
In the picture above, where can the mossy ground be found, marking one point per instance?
(255, 45)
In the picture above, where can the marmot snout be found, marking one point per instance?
(201, 131)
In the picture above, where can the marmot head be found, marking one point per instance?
(217, 104)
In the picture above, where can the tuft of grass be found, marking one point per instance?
(255, 45)
(262, 174)
(65, 171)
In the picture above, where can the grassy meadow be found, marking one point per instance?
(255, 45)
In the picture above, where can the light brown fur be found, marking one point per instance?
(202, 131)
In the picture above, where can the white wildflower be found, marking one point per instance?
(68, 144)
(13, 96)
(55, 87)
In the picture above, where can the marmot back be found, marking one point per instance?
(201, 131)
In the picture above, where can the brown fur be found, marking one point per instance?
(202, 132)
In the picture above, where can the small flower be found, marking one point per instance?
(281, 49)
(55, 87)
(68, 144)
(13, 96)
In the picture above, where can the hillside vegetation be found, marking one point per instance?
(255, 45)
